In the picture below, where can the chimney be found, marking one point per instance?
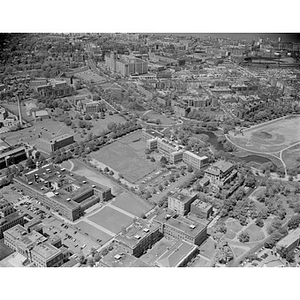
(20, 113)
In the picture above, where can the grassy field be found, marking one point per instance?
(93, 232)
(164, 119)
(270, 137)
(255, 233)
(233, 225)
(131, 204)
(111, 219)
(238, 251)
(90, 76)
(126, 157)
(13, 108)
(291, 155)
(207, 249)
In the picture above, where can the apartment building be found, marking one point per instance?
(195, 160)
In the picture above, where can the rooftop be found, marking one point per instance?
(290, 238)
(176, 254)
(46, 250)
(203, 205)
(185, 225)
(195, 155)
(183, 197)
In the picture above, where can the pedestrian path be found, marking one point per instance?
(100, 227)
(124, 212)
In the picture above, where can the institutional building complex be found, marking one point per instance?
(55, 143)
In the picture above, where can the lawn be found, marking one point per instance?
(111, 219)
(122, 157)
(4, 250)
(200, 262)
(255, 233)
(132, 204)
(258, 192)
(90, 76)
(93, 232)
(207, 249)
(230, 234)
(238, 251)
(290, 157)
(164, 119)
(233, 225)
(270, 137)
(13, 108)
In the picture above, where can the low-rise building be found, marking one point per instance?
(64, 192)
(46, 255)
(178, 255)
(55, 143)
(181, 202)
(201, 209)
(221, 172)
(139, 237)
(289, 242)
(195, 160)
(54, 88)
(8, 216)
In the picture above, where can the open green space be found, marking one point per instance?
(270, 137)
(93, 232)
(255, 233)
(90, 76)
(111, 219)
(164, 119)
(200, 262)
(238, 251)
(233, 225)
(4, 250)
(230, 234)
(207, 249)
(131, 204)
(291, 156)
(13, 108)
(122, 157)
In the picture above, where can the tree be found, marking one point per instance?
(290, 257)
(30, 163)
(147, 151)
(163, 161)
(152, 159)
(111, 173)
(106, 169)
(244, 237)
(294, 222)
(190, 169)
(160, 187)
(259, 222)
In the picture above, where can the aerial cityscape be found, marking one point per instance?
(149, 150)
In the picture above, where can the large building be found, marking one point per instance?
(55, 143)
(181, 228)
(8, 216)
(13, 155)
(195, 160)
(290, 242)
(221, 172)
(181, 202)
(54, 88)
(178, 255)
(62, 191)
(151, 134)
(139, 237)
(173, 152)
(34, 246)
(125, 65)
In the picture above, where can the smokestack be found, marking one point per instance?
(20, 113)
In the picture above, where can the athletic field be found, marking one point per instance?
(270, 137)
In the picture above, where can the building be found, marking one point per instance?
(152, 144)
(38, 249)
(201, 209)
(289, 242)
(40, 115)
(178, 255)
(221, 172)
(54, 88)
(172, 151)
(46, 255)
(125, 65)
(139, 237)
(181, 202)
(54, 143)
(13, 155)
(195, 160)
(64, 192)
(8, 216)
(151, 134)
(181, 228)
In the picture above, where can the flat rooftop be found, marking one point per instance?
(183, 197)
(176, 254)
(136, 232)
(154, 133)
(195, 155)
(290, 238)
(202, 205)
(185, 225)
(46, 250)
